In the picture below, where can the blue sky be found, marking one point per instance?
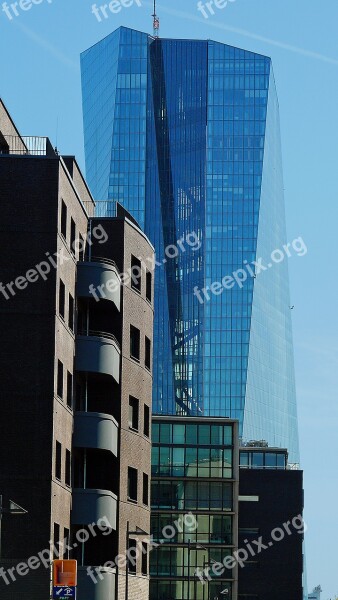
(40, 83)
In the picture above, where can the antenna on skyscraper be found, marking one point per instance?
(156, 22)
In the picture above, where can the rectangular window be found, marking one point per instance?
(71, 312)
(132, 556)
(146, 420)
(149, 294)
(58, 467)
(145, 489)
(144, 565)
(134, 342)
(136, 274)
(147, 358)
(68, 468)
(132, 484)
(60, 379)
(66, 542)
(81, 248)
(69, 390)
(133, 413)
(72, 236)
(64, 220)
(62, 298)
(56, 538)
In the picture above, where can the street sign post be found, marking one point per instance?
(64, 592)
(65, 573)
(64, 579)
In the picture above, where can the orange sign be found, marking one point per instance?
(65, 573)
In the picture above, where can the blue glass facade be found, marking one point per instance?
(185, 135)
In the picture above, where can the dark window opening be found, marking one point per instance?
(133, 413)
(56, 539)
(66, 542)
(69, 389)
(62, 299)
(132, 484)
(149, 294)
(144, 565)
(147, 358)
(81, 248)
(136, 274)
(132, 552)
(60, 379)
(72, 236)
(145, 489)
(134, 342)
(58, 467)
(146, 421)
(64, 220)
(68, 474)
(71, 312)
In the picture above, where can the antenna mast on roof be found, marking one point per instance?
(156, 22)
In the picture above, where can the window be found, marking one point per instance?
(134, 342)
(60, 379)
(145, 489)
(56, 538)
(66, 542)
(62, 296)
(71, 312)
(147, 358)
(133, 413)
(146, 420)
(58, 451)
(132, 484)
(136, 274)
(149, 286)
(81, 248)
(69, 389)
(64, 220)
(68, 468)
(132, 553)
(144, 565)
(72, 236)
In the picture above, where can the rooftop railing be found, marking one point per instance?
(26, 145)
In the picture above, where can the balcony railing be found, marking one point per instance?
(26, 145)
(102, 334)
(101, 259)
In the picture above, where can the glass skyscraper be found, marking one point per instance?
(185, 135)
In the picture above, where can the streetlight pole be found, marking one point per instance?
(189, 545)
(127, 561)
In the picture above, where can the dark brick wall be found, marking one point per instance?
(28, 229)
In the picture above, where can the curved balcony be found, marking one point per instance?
(103, 589)
(99, 279)
(98, 352)
(91, 505)
(95, 430)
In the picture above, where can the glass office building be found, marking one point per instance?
(185, 135)
(194, 508)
